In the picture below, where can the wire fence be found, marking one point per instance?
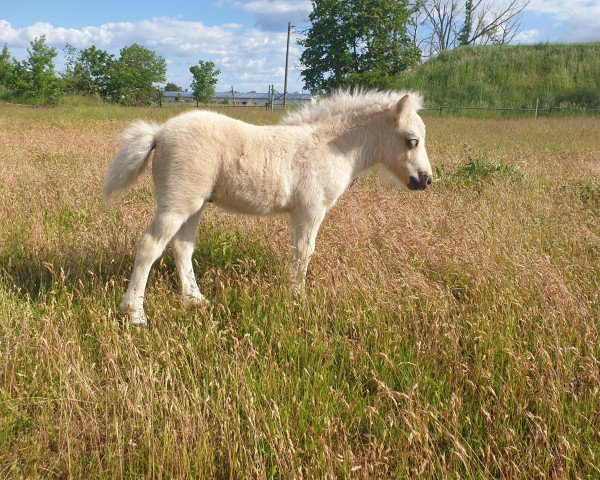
(275, 99)
(232, 98)
(532, 111)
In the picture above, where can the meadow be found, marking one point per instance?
(451, 333)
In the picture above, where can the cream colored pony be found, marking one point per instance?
(300, 168)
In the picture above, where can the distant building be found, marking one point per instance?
(172, 97)
(247, 99)
(260, 99)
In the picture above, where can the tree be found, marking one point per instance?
(5, 68)
(356, 42)
(449, 23)
(68, 77)
(34, 77)
(89, 71)
(467, 28)
(132, 76)
(205, 79)
(172, 87)
(496, 22)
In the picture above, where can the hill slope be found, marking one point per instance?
(511, 76)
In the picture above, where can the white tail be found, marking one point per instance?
(137, 142)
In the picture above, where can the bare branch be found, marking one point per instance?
(490, 21)
(443, 20)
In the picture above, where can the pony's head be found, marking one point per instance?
(406, 157)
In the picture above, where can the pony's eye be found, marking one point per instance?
(412, 142)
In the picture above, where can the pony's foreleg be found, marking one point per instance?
(304, 228)
(183, 247)
(151, 245)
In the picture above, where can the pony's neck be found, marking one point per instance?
(362, 140)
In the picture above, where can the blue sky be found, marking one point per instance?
(245, 38)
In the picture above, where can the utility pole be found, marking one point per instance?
(287, 58)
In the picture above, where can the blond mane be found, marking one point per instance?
(345, 103)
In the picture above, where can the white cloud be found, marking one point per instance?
(249, 58)
(274, 15)
(276, 6)
(579, 18)
(8, 34)
(528, 36)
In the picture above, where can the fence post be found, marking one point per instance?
(537, 104)
(233, 95)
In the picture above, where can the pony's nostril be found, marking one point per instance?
(421, 182)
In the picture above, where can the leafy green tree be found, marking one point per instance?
(356, 42)
(172, 87)
(6, 68)
(89, 71)
(465, 31)
(68, 77)
(205, 79)
(132, 76)
(35, 77)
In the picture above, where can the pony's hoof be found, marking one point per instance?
(136, 317)
(197, 300)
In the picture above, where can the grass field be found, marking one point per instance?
(452, 333)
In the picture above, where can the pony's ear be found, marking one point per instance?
(403, 105)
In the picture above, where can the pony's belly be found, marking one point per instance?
(238, 205)
(248, 209)
(252, 199)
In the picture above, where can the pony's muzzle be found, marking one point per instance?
(421, 182)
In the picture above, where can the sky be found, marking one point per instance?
(245, 38)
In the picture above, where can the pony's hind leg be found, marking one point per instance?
(150, 247)
(183, 247)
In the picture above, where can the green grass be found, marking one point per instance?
(558, 75)
(476, 173)
(451, 333)
(588, 191)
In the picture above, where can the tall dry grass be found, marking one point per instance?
(445, 334)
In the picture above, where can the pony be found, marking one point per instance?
(299, 167)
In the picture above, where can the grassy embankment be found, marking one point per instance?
(450, 333)
(566, 75)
